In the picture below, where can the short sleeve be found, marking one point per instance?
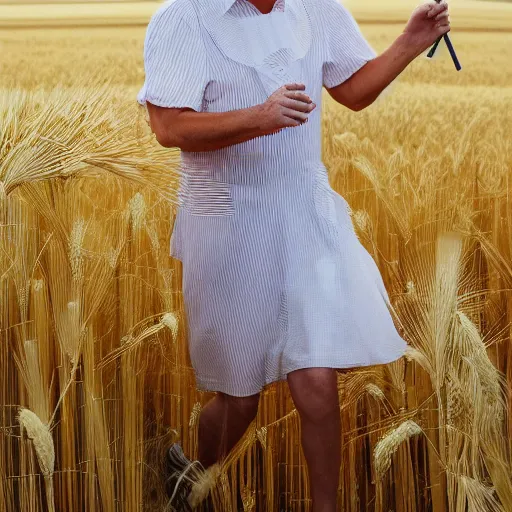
(346, 49)
(175, 61)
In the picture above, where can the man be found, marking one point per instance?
(275, 281)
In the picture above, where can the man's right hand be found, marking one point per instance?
(190, 130)
(286, 107)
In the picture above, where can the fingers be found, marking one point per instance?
(300, 117)
(288, 122)
(443, 22)
(300, 106)
(443, 29)
(439, 14)
(296, 105)
(435, 9)
(296, 95)
(295, 87)
(443, 16)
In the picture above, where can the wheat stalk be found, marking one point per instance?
(80, 131)
(40, 435)
(387, 446)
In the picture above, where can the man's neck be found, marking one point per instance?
(264, 6)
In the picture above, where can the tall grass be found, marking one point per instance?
(95, 378)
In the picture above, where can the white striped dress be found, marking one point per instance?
(274, 276)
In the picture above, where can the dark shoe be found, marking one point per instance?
(187, 483)
(178, 484)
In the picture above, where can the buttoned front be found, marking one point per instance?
(274, 276)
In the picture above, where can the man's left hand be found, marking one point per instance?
(428, 22)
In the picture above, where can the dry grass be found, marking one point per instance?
(92, 328)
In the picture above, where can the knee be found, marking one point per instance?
(315, 394)
(246, 406)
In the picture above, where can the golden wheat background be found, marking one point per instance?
(95, 379)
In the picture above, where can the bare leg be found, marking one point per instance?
(315, 394)
(222, 423)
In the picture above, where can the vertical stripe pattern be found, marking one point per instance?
(274, 276)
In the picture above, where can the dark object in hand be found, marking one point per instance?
(450, 49)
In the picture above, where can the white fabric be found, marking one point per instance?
(253, 38)
(175, 59)
(274, 276)
(346, 48)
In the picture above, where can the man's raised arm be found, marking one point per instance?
(427, 23)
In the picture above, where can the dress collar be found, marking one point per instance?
(226, 5)
(272, 44)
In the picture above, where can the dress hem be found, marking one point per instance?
(210, 386)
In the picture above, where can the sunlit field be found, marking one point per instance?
(95, 379)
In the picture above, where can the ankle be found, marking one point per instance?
(207, 459)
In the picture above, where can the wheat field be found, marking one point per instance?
(95, 379)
